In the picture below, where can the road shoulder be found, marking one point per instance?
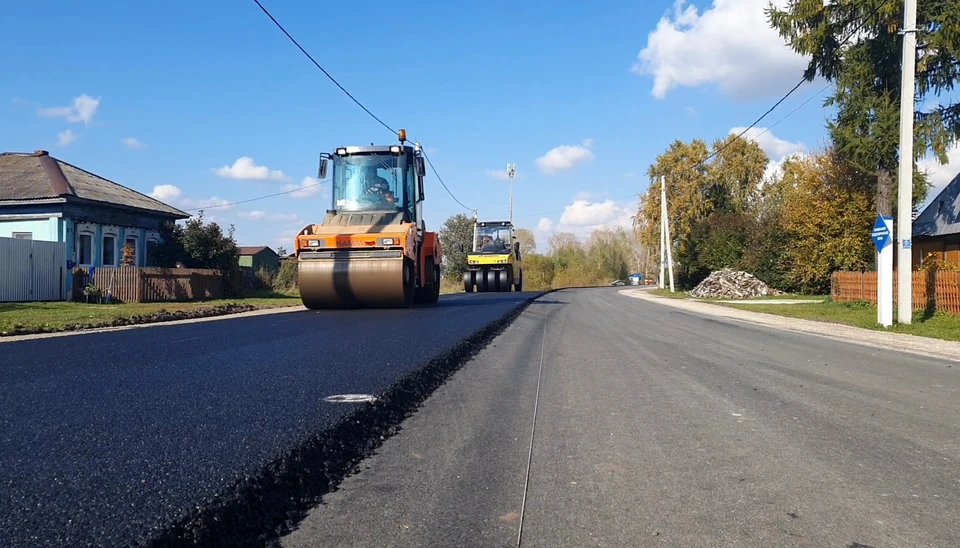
(923, 346)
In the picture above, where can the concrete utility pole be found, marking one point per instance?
(665, 241)
(511, 171)
(905, 209)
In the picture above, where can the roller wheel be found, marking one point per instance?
(409, 283)
(435, 296)
(518, 287)
(430, 293)
(468, 282)
(490, 280)
(503, 281)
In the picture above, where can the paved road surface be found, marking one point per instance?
(657, 427)
(105, 436)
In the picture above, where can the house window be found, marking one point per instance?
(85, 251)
(148, 259)
(23, 235)
(109, 251)
(132, 243)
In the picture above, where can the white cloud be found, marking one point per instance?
(83, 109)
(287, 237)
(774, 146)
(64, 138)
(307, 188)
(584, 213)
(692, 49)
(940, 175)
(584, 216)
(268, 217)
(166, 193)
(565, 157)
(777, 149)
(246, 169)
(131, 142)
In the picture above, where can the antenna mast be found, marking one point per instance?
(511, 171)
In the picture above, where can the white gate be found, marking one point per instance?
(32, 270)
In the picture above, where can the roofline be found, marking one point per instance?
(185, 215)
(20, 202)
(180, 215)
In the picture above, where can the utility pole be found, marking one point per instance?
(511, 171)
(665, 241)
(905, 209)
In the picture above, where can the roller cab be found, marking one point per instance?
(372, 248)
(494, 264)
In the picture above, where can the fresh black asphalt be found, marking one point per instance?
(659, 427)
(107, 439)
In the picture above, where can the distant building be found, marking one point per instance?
(255, 257)
(44, 198)
(937, 228)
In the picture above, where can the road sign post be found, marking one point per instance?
(882, 231)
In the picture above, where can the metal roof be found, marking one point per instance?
(253, 250)
(942, 215)
(37, 176)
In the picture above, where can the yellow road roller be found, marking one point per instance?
(494, 264)
(372, 249)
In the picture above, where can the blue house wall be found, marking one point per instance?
(54, 226)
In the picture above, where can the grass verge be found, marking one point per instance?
(28, 318)
(862, 314)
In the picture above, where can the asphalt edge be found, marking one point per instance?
(262, 507)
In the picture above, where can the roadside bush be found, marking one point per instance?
(538, 272)
(286, 278)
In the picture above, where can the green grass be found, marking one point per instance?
(665, 292)
(860, 314)
(57, 315)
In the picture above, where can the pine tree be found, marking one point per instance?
(866, 71)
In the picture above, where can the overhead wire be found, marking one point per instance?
(757, 121)
(298, 189)
(365, 109)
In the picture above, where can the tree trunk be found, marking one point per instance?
(885, 192)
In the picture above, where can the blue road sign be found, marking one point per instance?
(880, 234)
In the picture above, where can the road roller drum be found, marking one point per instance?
(357, 280)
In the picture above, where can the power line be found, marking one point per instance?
(332, 79)
(298, 189)
(441, 181)
(757, 121)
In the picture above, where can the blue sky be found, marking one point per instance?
(160, 96)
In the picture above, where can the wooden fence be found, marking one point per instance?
(931, 290)
(148, 285)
